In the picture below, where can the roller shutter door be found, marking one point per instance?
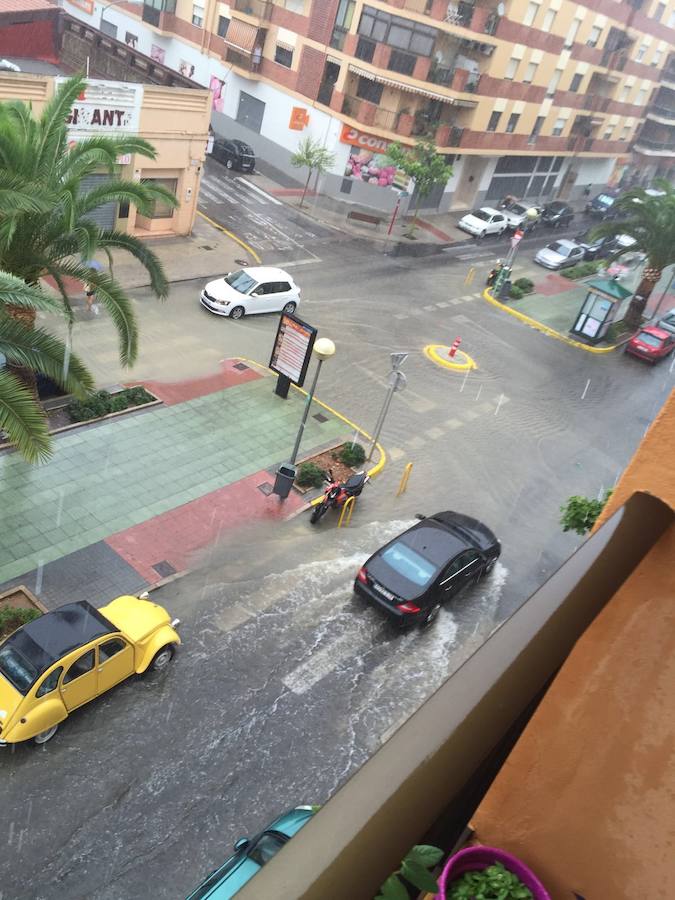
(105, 215)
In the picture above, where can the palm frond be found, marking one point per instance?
(39, 351)
(52, 124)
(23, 420)
(145, 256)
(141, 195)
(15, 292)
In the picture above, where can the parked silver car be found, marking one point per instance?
(559, 254)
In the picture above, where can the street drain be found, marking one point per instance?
(164, 569)
(266, 488)
(206, 247)
(320, 417)
(241, 366)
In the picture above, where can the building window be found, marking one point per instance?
(624, 133)
(594, 36)
(345, 14)
(656, 58)
(549, 19)
(659, 11)
(365, 49)
(530, 72)
(538, 125)
(572, 33)
(197, 15)
(642, 49)
(223, 25)
(397, 32)
(511, 124)
(404, 63)
(558, 127)
(283, 56)
(511, 68)
(576, 81)
(369, 90)
(531, 13)
(641, 97)
(160, 209)
(608, 133)
(625, 93)
(553, 83)
(494, 121)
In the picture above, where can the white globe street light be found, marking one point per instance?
(324, 348)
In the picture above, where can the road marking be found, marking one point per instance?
(434, 433)
(454, 423)
(254, 187)
(396, 453)
(470, 414)
(205, 192)
(583, 396)
(297, 262)
(466, 297)
(501, 400)
(401, 316)
(431, 308)
(415, 443)
(322, 662)
(442, 304)
(217, 188)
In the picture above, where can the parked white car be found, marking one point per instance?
(517, 216)
(260, 289)
(559, 254)
(483, 221)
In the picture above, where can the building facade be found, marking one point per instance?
(536, 99)
(174, 120)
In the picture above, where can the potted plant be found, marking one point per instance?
(491, 874)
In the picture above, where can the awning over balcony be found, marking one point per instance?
(241, 36)
(412, 89)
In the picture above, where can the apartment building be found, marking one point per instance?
(530, 97)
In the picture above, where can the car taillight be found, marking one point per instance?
(408, 607)
(363, 575)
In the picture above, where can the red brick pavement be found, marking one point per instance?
(555, 284)
(180, 391)
(178, 533)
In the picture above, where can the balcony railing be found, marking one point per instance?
(460, 13)
(440, 75)
(661, 146)
(365, 49)
(242, 60)
(662, 111)
(261, 9)
(596, 103)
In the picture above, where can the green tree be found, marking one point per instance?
(22, 418)
(650, 221)
(315, 157)
(425, 165)
(579, 513)
(53, 232)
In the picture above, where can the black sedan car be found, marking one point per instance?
(234, 154)
(602, 247)
(415, 573)
(557, 214)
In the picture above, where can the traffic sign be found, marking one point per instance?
(397, 360)
(397, 380)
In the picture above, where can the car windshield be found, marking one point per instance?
(481, 214)
(265, 848)
(556, 208)
(557, 247)
(241, 281)
(409, 563)
(649, 339)
(517, 209)
(17, 669)
(605, 199)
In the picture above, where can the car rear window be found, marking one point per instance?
(557, 247)
(605, 199)
(410, 564)
(480, 214)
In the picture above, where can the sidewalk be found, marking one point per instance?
(125, 503)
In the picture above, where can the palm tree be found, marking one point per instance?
(54, 234)
(650, 221)
(28, 348)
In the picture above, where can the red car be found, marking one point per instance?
(651, 343)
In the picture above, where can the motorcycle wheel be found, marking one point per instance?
(317, 513)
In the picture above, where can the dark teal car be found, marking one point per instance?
(251, 854)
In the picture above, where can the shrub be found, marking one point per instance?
(579, 513)
(11, 617)
(582, 269)
(309, 475)
(515, 293)
(494, 882)
(102, 402)
(525, 285)
(352, 454)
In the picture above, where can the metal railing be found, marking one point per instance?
(655, 145)
(661, 111)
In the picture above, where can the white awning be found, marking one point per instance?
(412, 89)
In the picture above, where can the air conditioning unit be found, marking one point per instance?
(487, 49)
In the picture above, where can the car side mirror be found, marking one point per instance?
(242, 843)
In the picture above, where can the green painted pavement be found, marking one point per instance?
(104, 479)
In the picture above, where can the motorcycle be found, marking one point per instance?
(336, 493)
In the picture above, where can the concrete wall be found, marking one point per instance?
(586, 795)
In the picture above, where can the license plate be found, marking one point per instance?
(384, 592)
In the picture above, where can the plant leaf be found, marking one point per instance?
(392, 889)
(418, 875)
(425, 855)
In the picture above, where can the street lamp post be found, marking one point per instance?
(324, 348)
(505, 270)
(115, 3)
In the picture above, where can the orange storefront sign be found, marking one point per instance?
(299, 118)
(356, 138)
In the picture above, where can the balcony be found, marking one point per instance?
(242, 60)
(259, 9)
(650, 147)
(660, 113)
(373, 115)
(596, 103)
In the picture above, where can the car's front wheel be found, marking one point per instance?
(162, 658)
(229, 164)
(488, 567)
(289, 308)
(237, 312)
(45, 735)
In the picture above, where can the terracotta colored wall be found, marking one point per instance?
(586, 797)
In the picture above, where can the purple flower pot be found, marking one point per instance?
(474, 859)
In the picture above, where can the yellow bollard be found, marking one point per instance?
(470, 275)
(349, 505)
(403, 485)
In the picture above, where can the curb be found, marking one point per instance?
(431, 351)
(231, 235)
(544, 329)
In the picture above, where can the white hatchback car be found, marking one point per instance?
(483, 221)
(245, 292)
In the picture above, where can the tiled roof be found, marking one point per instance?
(7, 6)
